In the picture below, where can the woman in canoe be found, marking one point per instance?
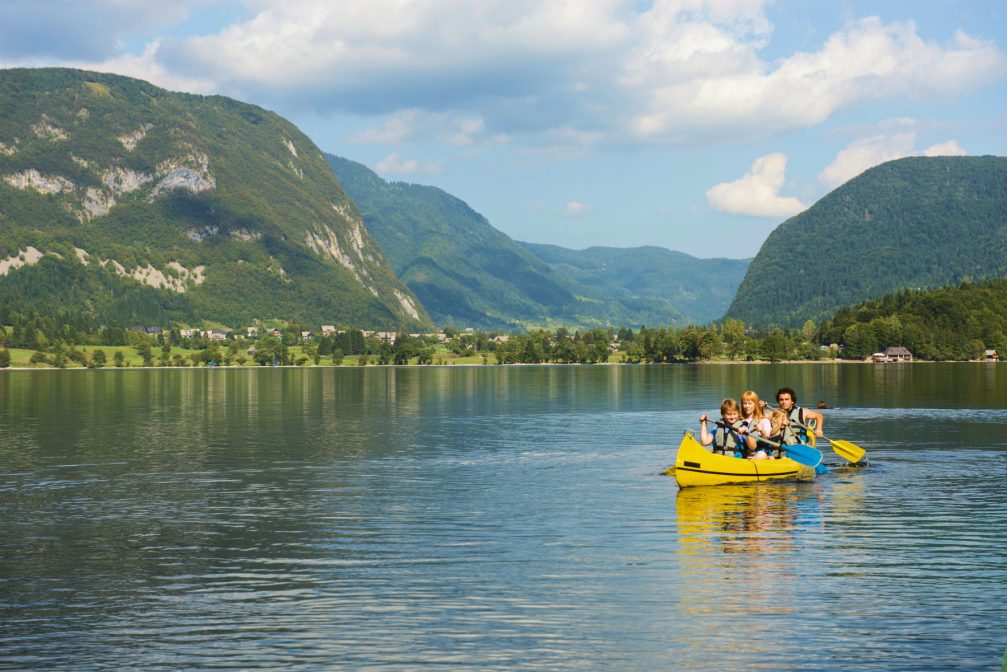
(753, 420)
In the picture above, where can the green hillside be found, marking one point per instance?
(464, 271)
(134, 204)
(914, 223)
(662, 286)
(947, 323)
(468, 273)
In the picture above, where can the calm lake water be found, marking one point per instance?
(489, 517)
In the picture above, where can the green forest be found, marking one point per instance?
(951, 323)
(916, 223)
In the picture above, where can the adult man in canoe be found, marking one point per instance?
(786, 398)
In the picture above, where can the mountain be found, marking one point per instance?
(134, 204)
(914, 223)
(655, 281)
(463, 270)
(468, 273)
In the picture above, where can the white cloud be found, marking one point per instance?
(949, 148)
(866, 153)
(703, 78)
(546, 72)
(896, 140)
(393, 165)
(574, 208)
(758, 192)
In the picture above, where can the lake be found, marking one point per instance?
(494, 517)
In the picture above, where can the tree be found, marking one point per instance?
(776, 346)
(98, 359)
(809, 330)
(4, 358)
(119, 358)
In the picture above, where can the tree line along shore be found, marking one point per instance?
(44, 343)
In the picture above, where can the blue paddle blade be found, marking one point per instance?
(803, 454)
(821, 469)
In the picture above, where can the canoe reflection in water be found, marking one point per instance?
(751, 519)
(742, 551)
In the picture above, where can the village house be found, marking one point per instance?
(328, 330)
(188, 333)
(252, 332)
(214, 335)
(991, 356)
(893, 354)
(306, 336)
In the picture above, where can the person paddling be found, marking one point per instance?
(727, 438)
(787, 400)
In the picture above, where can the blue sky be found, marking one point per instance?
(696, 125)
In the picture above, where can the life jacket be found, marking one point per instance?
(752, 427)
(793, 434)
(724, 441)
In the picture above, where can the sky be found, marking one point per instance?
(694, 125)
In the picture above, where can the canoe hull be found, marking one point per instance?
(694, 465)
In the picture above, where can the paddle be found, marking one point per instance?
(846, 450)
(798, 452)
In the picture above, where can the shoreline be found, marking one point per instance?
(823, 362)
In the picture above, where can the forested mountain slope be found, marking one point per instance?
(919, 222)
(658, 282)
(464, 271)
(468, 273)
(134, 204)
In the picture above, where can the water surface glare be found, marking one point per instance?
(491, 517)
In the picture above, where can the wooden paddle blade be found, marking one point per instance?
(848, 451)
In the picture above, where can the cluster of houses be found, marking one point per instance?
(252, 333)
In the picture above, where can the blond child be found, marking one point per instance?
(730, 436)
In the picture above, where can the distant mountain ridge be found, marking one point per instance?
(129, 202)
(468, 273)
(913, 223)
(654, 281)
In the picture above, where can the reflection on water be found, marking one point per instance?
(489, 517)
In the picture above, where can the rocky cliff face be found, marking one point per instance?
(204, 196)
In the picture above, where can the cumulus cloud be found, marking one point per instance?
(758, 192)
(898, 141)
(719, 83)
(545, 71)
(575, 208)
(393, 165)
(949, 148)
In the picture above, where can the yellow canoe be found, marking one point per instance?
(695, 465)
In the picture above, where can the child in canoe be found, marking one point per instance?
(730, 436)
(780, 431)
